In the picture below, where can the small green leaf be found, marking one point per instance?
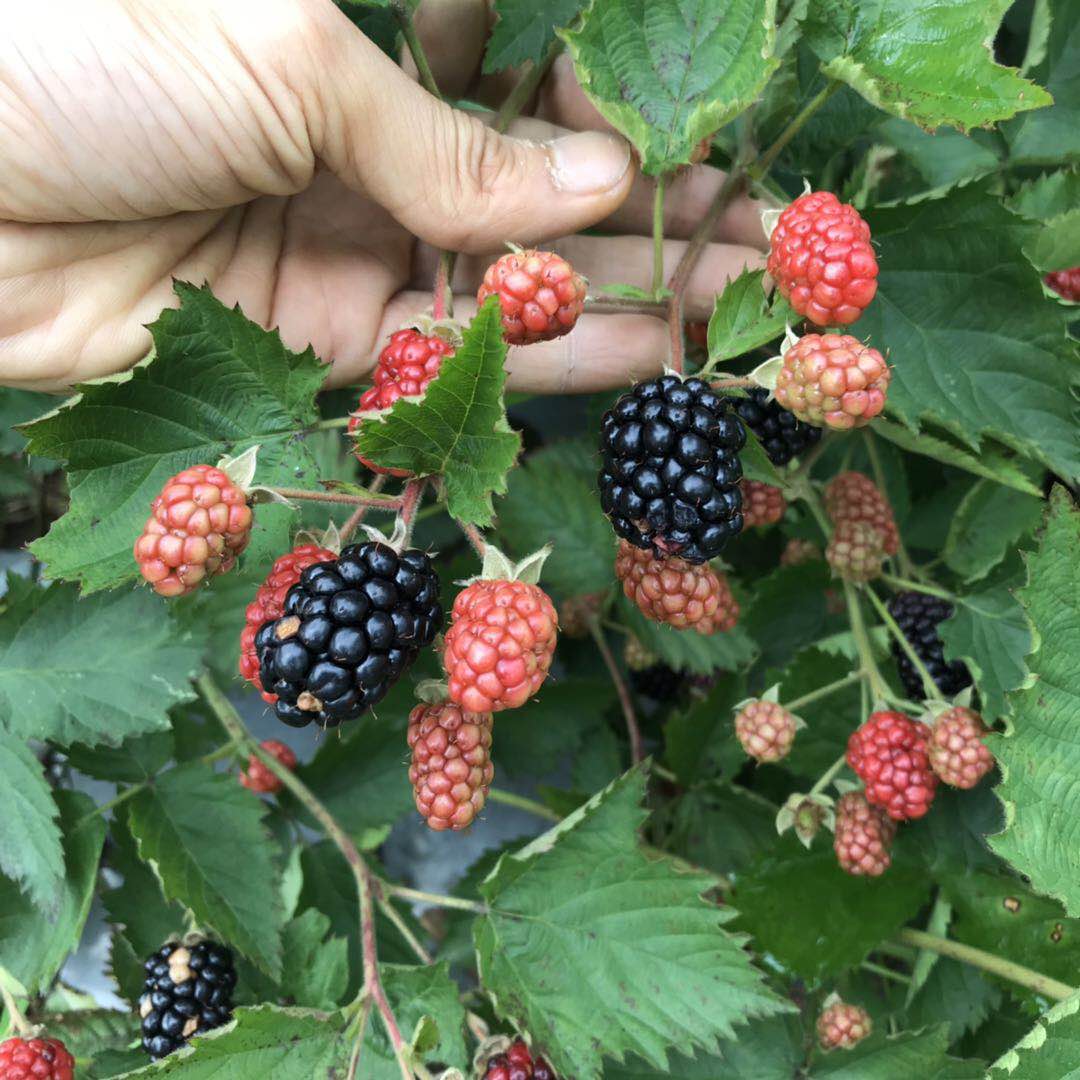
(885, 1057)
(525, 30)
(94, 670)
(699, 741)
(667, 73)
(743, 319)
(134, 760)
(786, 610)
(458, 430)
(314, 971)
(955, 993)
(1041, 757)
(33, 947)
(574, 952)
(204, 834)
(218, 384)
(1053, 200)
(922, 60)
(1048, 1051)
(988, 523)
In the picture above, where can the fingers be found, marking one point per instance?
(603, 351)
(443, 174)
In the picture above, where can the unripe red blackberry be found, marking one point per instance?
(540, 295)
(269, 603)
(762, 504)
(35, 1059)
(518, 1063)
(842, 1026)
(957, 751)
(821, 259)
(197, 526)
(889, 753)
(451, 768)
(765, 730)
(675, 592)
(855, 551)
(797, 551)
(853, 496)
(833, 380)
(863, 835)
(1065, 283)
(258, 777)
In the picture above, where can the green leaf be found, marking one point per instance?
(18, 407)
(743, 318)
(1053, 200)
(87, 1032)
(955, 993)
(922, 60)
(1052, 135)
(525, 31)
(787, 610)
(30, 850)
(815, 919)
(990, 634)
(204, 834)
(1048, 1051)
(33, 947)
(1041, 758)
(943, 157)
(552, 497)
(911, 1053)
(314, 971)
(974, 344)
(56, 685)
(667, 73)
(699, 742)
(458, 429)
(988, 523)
(574, 950)
(134, 760)
(217, 385)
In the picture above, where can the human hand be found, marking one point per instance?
(270, 149)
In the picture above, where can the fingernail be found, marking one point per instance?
(588, 162)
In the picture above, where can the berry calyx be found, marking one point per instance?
(821, 259)
(188, 990)
(833, 380)
(1066, 283)
(540, 295)
(889, 753)
(258, 777)
(762, 504)
(855, 551)
(676, 592)
(842, 1026)
(636, 656)
(451, 767)
(197, 526)
(35, 1059)
(957, 752)
(863, 836)
(269, 603)
(348, 630)
(518, 1063)
(671, 471)
(797, 551)
(853, 496)
(765, 730)
(918, 615)
(500, 644)
(779, 432)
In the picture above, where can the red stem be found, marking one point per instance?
(733, 384)
(475, 537)
(357, 516)
(410, 502)
(302, 494)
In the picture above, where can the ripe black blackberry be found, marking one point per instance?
(671, 471)
(779, 432)
(188, 990)
(350, 627)
(918, 615)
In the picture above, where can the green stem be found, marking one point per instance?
(929, 686)
(438, 899)
(230, 720)
(823, 691)
(625, 305)
(870, 440)
(862, 643)
(526, 86)
(809, 459)
(995, 965)
(827, 777)
(531, 806)
(403, 929)
(331, 424)
(658, 235)
(305, 494)
(442, 297)
(905, 585)
(412, 39)
(663, 773)
(885, 973)
(765, 162)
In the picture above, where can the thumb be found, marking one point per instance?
(447, 177)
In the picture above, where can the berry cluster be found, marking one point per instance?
(957, 751)
(188, 990)
(518, 1063)
(35, 1059)
(917, 615)
(855, 551)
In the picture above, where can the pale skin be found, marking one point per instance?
(268, 148)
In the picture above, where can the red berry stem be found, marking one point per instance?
(625, 700)
(475, 538)
(367, 885)
(929, 686)
(410, 503)
(357, 516)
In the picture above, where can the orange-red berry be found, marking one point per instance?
(540, 295)
(863, 836)
(842, 1026)
(853, 496)
(258, 777)
(957, 751)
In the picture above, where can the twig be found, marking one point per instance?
(230, 720)
(743, 383)
(438, 899)
(475, 537)
(408, 31)
(885, 973)
(410, 500)
(823, 691)
(526, 86)
(995, 965)
(358, 1042)
(827, 777)
(357, 516)
(404, 930)
(765, 162)
(625, 700)
(929, 686)
(625, 305)
(302, 494)
(878, 685)
(904, 585)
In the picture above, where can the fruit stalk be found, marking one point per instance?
(823, 691)
(658, 234)
(929, 686)
(357, 516)
(302, 494)
(632, 729)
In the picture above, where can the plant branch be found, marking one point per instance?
(823, 691)
(437, 899)
(878, 686)
(929, 686)
(625, 305)
(475, 538)
(733, 383)
(412, 39)
(995, 965)
(526, 86)
(885, 973)
(758, 170)
(531, 806)
(358, 515)
(404, 930)
(904, 585)
(625, 700)
(358, 1042)
(365, 884)
(305, 494)
(410, 501)
(827, 777)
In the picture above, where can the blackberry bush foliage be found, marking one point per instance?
(767, 640)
